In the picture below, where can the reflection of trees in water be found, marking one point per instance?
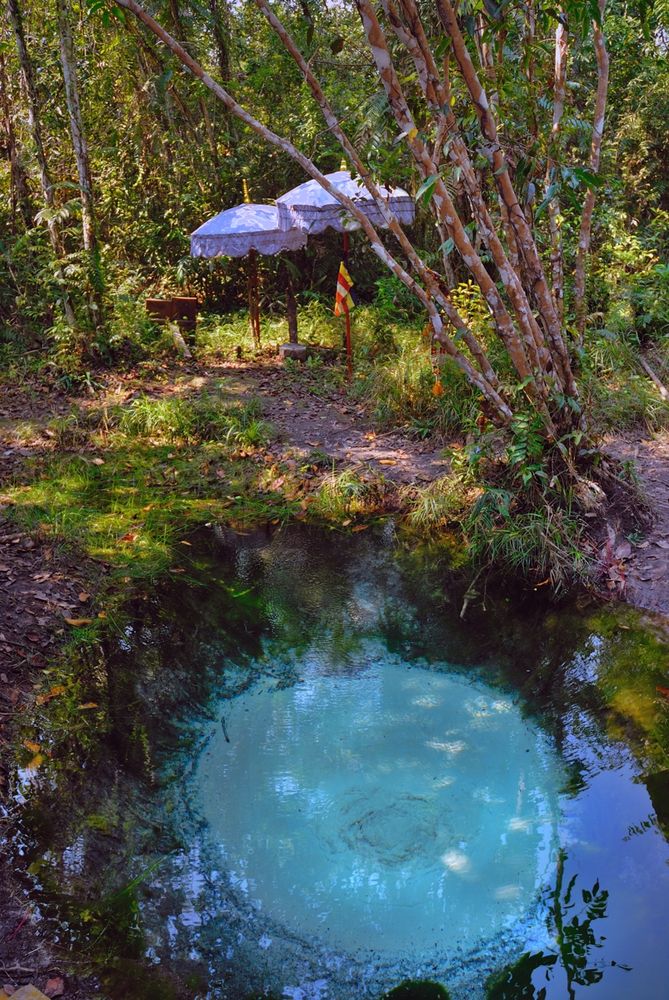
(571, 914)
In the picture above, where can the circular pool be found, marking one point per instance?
(391, 808)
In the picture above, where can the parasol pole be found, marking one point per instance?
(347, 315)
(254, 308)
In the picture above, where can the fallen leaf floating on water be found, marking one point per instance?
(54, 692)
(77, 622)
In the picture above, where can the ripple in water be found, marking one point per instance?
(396, 809)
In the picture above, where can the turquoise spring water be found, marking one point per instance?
(395, 809)
(318, 781)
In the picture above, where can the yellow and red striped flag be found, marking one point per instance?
(343, 299)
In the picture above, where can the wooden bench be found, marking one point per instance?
(180, 309)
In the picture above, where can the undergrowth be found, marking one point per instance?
(135, 478)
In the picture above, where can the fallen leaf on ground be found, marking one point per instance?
(32, 746)
(360, 527)
(663, 691)
(55, 987)
(98, 461)
(387, 461)
(78, 621)
(130, 536)
(83, 596)
(88, 704)
(189, 544)
(33, 764)
(54, 692)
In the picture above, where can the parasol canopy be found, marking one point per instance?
(313, 209)
(237, 231)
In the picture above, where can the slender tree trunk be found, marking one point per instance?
(20, 192)
(80, 145)
(35, 126)
(554, 221)
(595, 158)
(527, 247)
(220, 33)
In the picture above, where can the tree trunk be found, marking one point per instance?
(595, 157)
(35, 126)
(20, 192)
(219, 31)
(80, 145)
(554, 221)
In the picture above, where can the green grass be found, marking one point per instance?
(441, 503)
(345, 496)
(148, 473)
(616, 390)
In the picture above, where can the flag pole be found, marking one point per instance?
(347, 317)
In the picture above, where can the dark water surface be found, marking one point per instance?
(315, 779)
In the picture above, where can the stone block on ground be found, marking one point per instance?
(297, 352)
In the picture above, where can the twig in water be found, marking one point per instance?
(225, 731)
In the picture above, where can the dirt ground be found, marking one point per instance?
(41, 586)
(647, 568)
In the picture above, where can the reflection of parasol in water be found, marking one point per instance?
(245, 231)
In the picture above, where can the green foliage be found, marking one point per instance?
(616, 391)
(544, 542)
(444, 501)
(400, 388)
(345, 495)
(195, 421)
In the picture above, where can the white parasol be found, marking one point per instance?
(237, 231)
(311, 208)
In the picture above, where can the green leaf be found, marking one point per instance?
(587, 177)
(550, 194)
(447, 246)
(425, 191)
